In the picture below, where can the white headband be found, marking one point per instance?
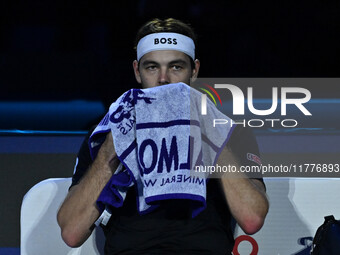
(165, 41)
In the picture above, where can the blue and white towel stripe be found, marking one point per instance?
(159, 136)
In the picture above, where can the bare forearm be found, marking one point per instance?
(247, 202)
(246, 197)
(78, 212)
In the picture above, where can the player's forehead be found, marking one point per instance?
(165, 57)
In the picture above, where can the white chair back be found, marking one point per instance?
(40, 233)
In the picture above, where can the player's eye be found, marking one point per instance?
(176, 67)
(151, 67)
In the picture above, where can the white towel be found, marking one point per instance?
(160, 136)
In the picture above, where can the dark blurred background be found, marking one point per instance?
(62, 50)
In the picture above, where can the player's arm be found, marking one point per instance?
(78, 212)
(246, 197)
